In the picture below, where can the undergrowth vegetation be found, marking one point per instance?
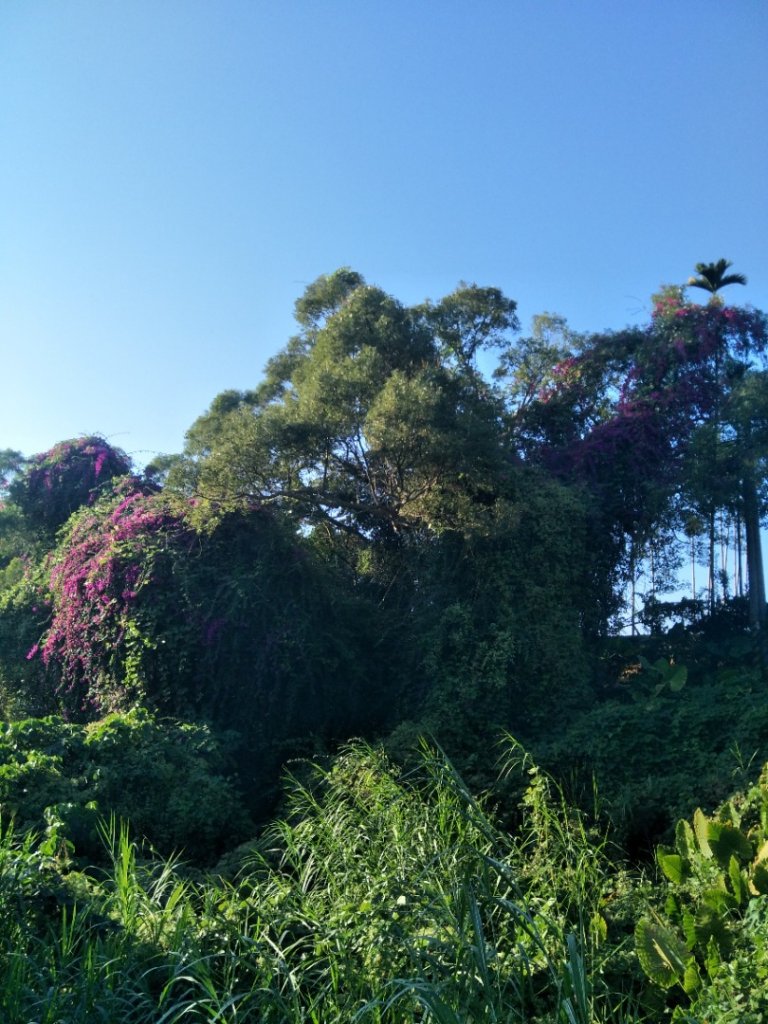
(378, 898)
(171, 780)
(392, 897)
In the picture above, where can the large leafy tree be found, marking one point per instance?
(11, 462)
(13, 535)
(568, 414)
(377, 435)
(663, 423)
(710, 360)
(373, 422)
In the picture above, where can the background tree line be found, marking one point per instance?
(381, 539)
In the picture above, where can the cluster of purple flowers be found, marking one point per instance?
(90, 459)
(96, 575)
(673, 382)
(73, 473)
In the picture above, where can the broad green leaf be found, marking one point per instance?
(689, 929)
(673, 866)
(598, 927)
(759, 880)
(725, 842)
(711, 925)
(713, 958)
(719, 899)
(701, 827)
(691, 978)
(684, 839)
(678, 679)
(671, 907)
(738, 881)
(662, 954)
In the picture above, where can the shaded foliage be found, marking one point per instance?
(168, 779)
(238, 623)
(378, 536)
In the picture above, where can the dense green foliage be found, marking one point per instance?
(658, 750)
(381, 540)
(386, 898)
(239, 624)
(712, 938)
(392, 899)
(167, 779)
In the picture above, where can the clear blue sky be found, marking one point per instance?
(174, 173)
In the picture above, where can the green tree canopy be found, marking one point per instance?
(374, 421)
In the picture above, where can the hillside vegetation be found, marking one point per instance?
(372, 571)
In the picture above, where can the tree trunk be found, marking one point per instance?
(755, 576)
(633, 627)
(712, 590)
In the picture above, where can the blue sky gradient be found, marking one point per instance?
(175, 173)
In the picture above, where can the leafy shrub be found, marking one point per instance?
(655, 753)
(711, 939)
(380, 898)
(107, 556)
(738, 991)
(492, 650)
(200, 614)
(55, 483)
(167, 778)
(27, 686)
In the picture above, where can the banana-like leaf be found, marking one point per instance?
(713, 960)
(692, 978)
(685, 843)
(710, 924)
(719, 899)
(739, 882)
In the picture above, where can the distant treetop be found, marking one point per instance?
(53, 484)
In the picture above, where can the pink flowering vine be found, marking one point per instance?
(96, 576)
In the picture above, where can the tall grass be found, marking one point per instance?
(380, 899)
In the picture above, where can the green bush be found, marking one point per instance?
(27, 686)
(707, 931)
(655, 754)
(227, 618)
(166, 778)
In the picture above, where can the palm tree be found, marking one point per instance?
(712, 277)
